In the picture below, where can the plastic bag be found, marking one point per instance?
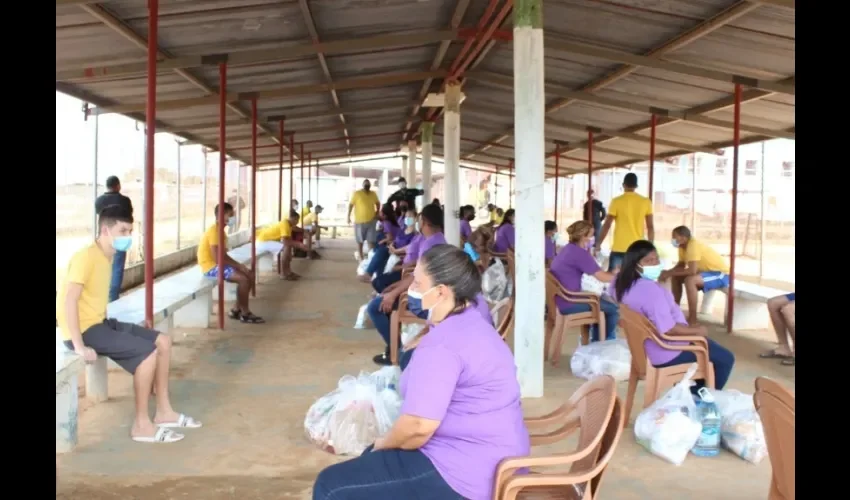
(363, 321)
(364, 264)
(591, 284)
(608, 357)
(732, 401)
(409, 332)
(387, 377)
(391, 262)
(742, 433)
(668, 428)
(351, 417)
(494, 282)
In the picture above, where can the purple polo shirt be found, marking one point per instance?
(401, 223)
(655, 303)
(568, 266)
(420, 245)
(463, 375)
(465, 229)
(390, 229)
(403, 239)
(505, 237)
(549, 249)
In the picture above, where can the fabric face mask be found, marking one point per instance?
(674, 243)
(408, 221)
(122, 243)
(652, 272)
(402, 185)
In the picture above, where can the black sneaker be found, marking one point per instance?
(382, 359)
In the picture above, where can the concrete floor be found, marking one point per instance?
(252, 384)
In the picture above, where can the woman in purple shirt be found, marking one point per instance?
(461, 414)
(505, 235)
(467, 214)
(570, 264)
(390, 229)
(551, 230)
(637, 287)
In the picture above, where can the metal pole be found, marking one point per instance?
(94, 184)
(292, 178)
(222, 155)
(510, 182)
(694, 198)
(238, 207)
(654, 122)
(254, 194)
(301, 182)
(291, 167)
(736, 139)
(557, 173)
(150, 168)
(280, 174)
(589, 214)
(204, 194)
(310, 175)
(316, 201)
(179, 197)
(762, 226)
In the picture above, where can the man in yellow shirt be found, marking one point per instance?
(629, 212)
(234, 272)
(365, 205)
(700, 267)
(312, 227)
(308, 205)
(81, 314)
(277, 239)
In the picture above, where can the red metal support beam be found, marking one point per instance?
(736, 145)
(254, 195)
(292, 166)
(332, 139)
(472, 34)
(222, 157)
(557, 173)
(317, 187)
(500, 18)
(309, 175)
(280, 171)
(589, 215)
(653, 125)
(150, 167)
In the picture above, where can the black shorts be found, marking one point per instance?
(125, 343)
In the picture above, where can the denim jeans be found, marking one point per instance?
(722, 359)
(385, 280)
(381, 320)
(117, 275)
(383, 475)
(378, 262)
(609, 309)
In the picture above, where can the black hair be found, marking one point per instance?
(506, 219)
(113, 214)
(450, 266)
(227, 208)
(435, 201)
(293, 202)
(550, 225)
(630, 180)
(682, 231)
(309, 203)
(390, 214)
(433, 215)
(293, 213)
(112, 182)
(629, 272)
(465, 211)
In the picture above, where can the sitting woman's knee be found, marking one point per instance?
(776, 303)
(163, 342)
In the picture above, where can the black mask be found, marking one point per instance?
(367, 186)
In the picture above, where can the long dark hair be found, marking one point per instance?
(629, 271)
(506, 219)
(389, 214)
(450, 266)
(465, 211)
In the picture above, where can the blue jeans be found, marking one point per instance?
(117, 275)
(615, 260)
(722, 358)
(609, 309)
(379, 261)
(383, 475)
(385, 280)
(381, 320)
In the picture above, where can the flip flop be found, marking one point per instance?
(162, 435)
(252, 318)
(235, 313)
(772, 354)
(183, 421)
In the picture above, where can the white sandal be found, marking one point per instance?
(162, 435)
(183, 422)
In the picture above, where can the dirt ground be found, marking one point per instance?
(251, 385)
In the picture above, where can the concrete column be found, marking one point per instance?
(451, 149)
(384, 189)
(404, 165)
(427, 132)
(529, 111)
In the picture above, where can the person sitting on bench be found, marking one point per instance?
(700, 267)
(234, 272)
(144, 353)
(407, 233)
(782, 309)
(390, 230)
(278, 239)
(312, 227)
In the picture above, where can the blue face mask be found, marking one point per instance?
(122, 243)
(652, 272)
(674, 243)
(408, 221)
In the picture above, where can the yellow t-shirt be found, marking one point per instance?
(310, 219)
(92, 269)
(495, 218)
(629, 211)
(276, 232)
(206, 259)
(707, 258)
(364, 206)
(304, 212)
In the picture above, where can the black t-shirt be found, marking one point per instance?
(407, 195)
(112, 198)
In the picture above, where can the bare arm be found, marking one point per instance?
(686, 330)
(604, 276)
(683, 269)
(398, 287)
(72, 314)
(650, 228)
(408, 433)
(604, 232)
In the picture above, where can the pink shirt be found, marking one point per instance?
(655, 303)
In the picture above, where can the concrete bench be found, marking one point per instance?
(68, 368)
(750, 305)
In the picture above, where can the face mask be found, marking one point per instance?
(420, 296)
(402, 185)
(652, 272)
(122, 243)
(408, 221)
(366, 187)
(231, 221)
(674, 243)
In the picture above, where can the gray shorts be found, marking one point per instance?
(366, 232)
(126, 344)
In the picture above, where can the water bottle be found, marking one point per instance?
(708, 444)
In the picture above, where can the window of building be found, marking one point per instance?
(787, 169)
(720, 167)
(751, 168)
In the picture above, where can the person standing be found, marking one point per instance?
(631, 212)
(113, 196)
(365, 205)
(405, 194)
(594, 212)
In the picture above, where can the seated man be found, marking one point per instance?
(382, 306)
(700, 267)
(784, 319)
(312, 227)
(278, 238)
(234, 272)
(144, 353)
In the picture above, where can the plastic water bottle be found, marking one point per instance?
(708, 444)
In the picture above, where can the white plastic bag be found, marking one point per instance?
(387, 377)
(494, 282)
(668, 428)
(347, 420)
(362, 321)
(732, 401)
(391, 262)
(591, 284)
(409, 332)
(742, 433)
(363, 264)
(608, 357)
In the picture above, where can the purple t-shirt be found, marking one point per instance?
(403, 239)
(465, 229)
(401, 223)
(420, 245)
(569, 265)
(463, 375)
(505, 238)
(482, 307)
(549, 249)
(390, 229)
(655, 303)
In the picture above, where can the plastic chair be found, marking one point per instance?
(638, 329)
(503, 313)
(596, 412)
(559, 323)
(776, 408)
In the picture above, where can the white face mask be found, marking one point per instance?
(674, 243)
(402, 185)
(231, 221)
(420, 296)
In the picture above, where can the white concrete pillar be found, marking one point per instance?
(384, 189)
(427, 132)
(451, 148)
(404, 165)
(529, 119)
